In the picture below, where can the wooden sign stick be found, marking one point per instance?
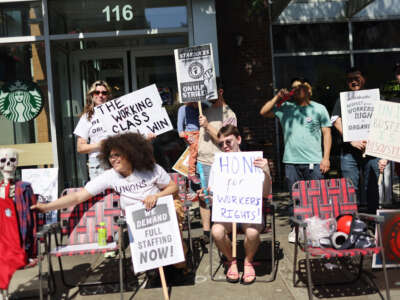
(234, 240)
(164, 283)
(200, 108)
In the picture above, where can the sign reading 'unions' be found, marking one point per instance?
(20, 101)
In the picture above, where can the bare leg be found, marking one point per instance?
(251, 243)
(205, 218)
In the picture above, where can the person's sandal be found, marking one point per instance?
(246, 275)
(231, 273)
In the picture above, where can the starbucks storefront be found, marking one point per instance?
(51, 51)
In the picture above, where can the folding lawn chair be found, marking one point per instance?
(182, 183)
(79, 225)
(329, 199)
(267, 234)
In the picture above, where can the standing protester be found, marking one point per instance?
(188, 128)
(352, 161)
(214, 117)
(229, 141)
(302, 122)
(89, 130)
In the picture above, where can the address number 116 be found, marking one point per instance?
(126, 12)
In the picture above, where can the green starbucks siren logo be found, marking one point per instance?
(20, 101)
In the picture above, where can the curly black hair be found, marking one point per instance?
(133, 147)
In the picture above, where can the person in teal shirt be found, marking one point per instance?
(304, 123)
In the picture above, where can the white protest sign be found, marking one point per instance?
(357, 108)
(44, 182)
(237, 187)
(384, 134)
(139, 111)
(154, 235)
(195, 72)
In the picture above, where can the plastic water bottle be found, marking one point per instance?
(102, 234)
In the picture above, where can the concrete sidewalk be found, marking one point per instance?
(76, 268)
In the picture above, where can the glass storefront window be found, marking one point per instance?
(310, 37)
(376, 35)
(21, 19)
(74, 16)
(25, 62)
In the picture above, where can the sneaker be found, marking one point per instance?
(110, 254)
(205, 239)
(194, 179)
(292, 236)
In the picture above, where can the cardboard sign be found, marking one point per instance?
(390, 231)
(44, 183)
(154, 235)
(384, 135)
(195, 72)
(182, 164)
(237, 187)
(139, 111)
(357, 108)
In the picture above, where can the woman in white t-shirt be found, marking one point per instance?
(89, 130)
(133, 174)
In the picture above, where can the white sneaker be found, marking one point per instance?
(292, 236)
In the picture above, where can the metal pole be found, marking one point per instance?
(277, 141)
(50, 90)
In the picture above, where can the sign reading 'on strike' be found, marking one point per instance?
(357, 108)
(139, 111)
(237, 188)
(384, 136)
(195, 72)
(154, 235)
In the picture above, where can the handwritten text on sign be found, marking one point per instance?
(139, 111)
(237, 188)
(384, 136)
(357, 108)
(154, 235)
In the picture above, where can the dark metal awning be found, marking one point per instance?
(354, 6)
(278, 6)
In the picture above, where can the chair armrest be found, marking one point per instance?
(298, 222)
(369, 217)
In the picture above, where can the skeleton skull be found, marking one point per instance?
(8, 163)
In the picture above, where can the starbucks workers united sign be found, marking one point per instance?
(20, 101)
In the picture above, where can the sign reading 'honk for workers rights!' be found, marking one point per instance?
(139, 111)
(237, 188)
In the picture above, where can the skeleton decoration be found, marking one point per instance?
(8, 163)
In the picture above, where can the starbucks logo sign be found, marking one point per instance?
(20, 101)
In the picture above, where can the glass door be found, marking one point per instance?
(86, 69)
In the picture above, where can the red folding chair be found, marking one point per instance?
(78, 226)
(329, 199)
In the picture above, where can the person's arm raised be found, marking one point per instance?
(64, 202)
(266, 110)
(208, 128)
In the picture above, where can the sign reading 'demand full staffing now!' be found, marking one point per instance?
(154, 235)
(139, 111)
(237, 188)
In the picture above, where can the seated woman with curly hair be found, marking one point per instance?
(133, 174)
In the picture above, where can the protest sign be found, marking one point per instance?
(182, 164)
(195, 72)
(139, 111)
(44, 182)
(154, 235)
(384, 135)
(357, 108)
(237, 188)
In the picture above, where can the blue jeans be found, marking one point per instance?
(296, 172)
(367, 194)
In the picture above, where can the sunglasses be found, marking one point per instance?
(351, 79)
(105, 93)
(114, 156)
(12, 159)
(227, 142)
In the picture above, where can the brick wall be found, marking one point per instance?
(245, 67)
